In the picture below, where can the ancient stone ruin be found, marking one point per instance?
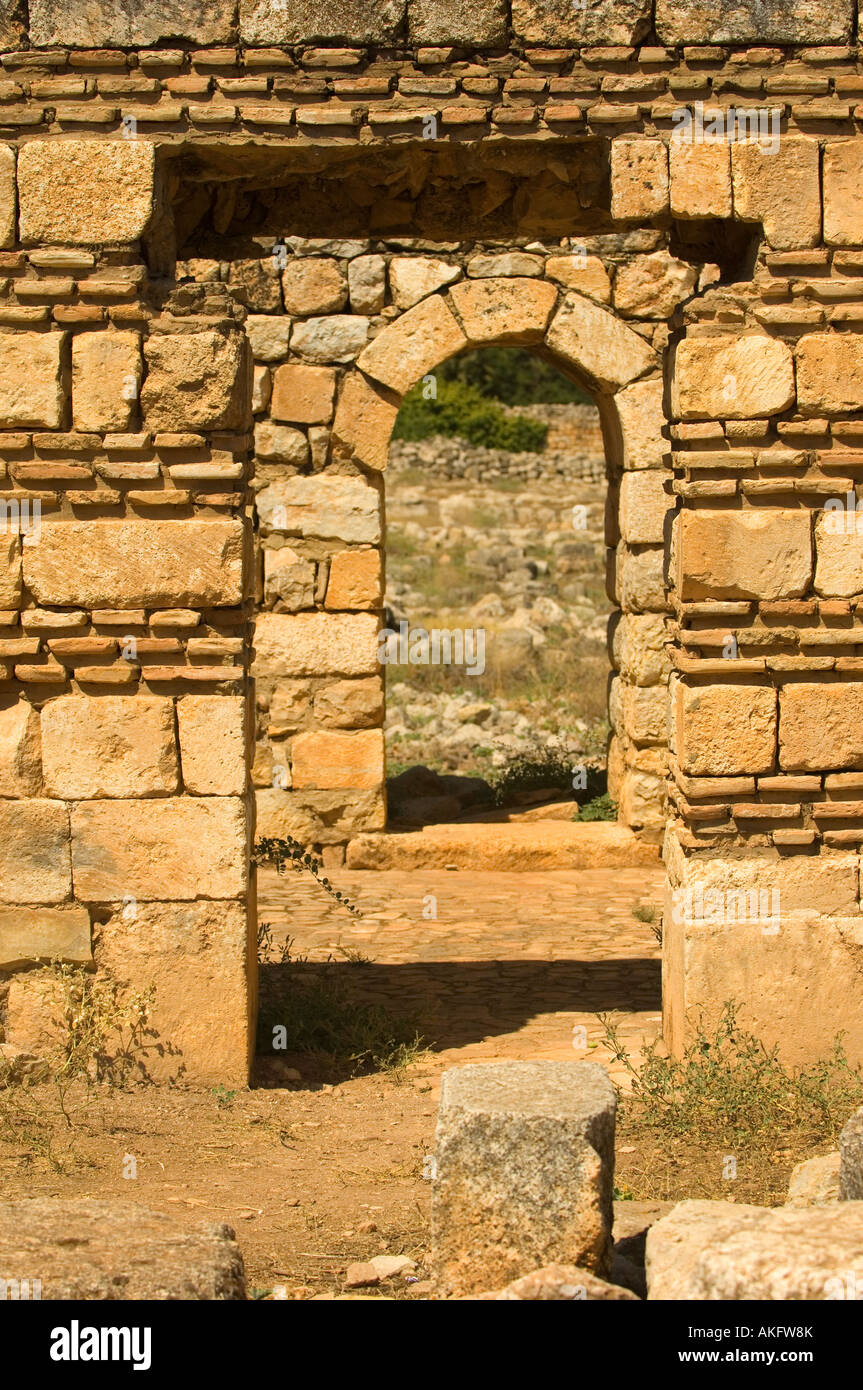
(232, 240)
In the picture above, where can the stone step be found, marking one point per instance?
(514, 845)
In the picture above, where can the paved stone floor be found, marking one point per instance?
(509, 967)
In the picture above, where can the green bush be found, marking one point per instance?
(464, 412)
(515, 376)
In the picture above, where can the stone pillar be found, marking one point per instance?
(124, 714)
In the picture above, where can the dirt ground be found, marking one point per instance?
(316, 1172)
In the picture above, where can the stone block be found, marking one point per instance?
(281, 444)
(412, 278)
(337, 338)
(639, 179)
(30, 935)
(20, 749)
(289, 704)
(321, 21)
(326, 506)
(814, 1181)
(364, 422)
(780, 188)
(779, 22)
(524, 1171)
(34, 852)
(560, 23)
(256, 283)
(115, 24)
(641, 414)
(724, 730)
(86, 1249)
(821, 726)
(334, 761)
(197, 381)
(303, 395)
(652, 286)
(31, 391)
(639, 648)
(81, 192)
(212, 731)
(313, 285)
(367, 284)
(763, 554)
(269, 336)
(111, 746)
(731, 378)
(262, 388)
(504, 310)
(644, 506)
(199, 957)
(641, 579)
(10, 570)
(851, 1159)
(353, 704)
(106, 379)
(830, 373)
(170, 849)
(289, 579)
(481, 24)
(729, 1251)
(8, 197)
(319, 818)
(316, 644)
(644, 713)
(839, 555)
(356, 580)
(700, 178)
(843, 196)
(598, 344)
(133, 562)
(405, 351)
(34, 1013)
(560, 1284)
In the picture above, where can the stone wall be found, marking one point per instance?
(708, 292)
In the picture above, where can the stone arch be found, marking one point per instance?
(624, 375)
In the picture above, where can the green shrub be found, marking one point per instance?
(463, 412)
(515, 376)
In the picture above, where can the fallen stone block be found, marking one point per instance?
(524, 1168)
(82, 1249)
(561, 1284)
(851, 1159)
(725, 1251)
(814, 1181)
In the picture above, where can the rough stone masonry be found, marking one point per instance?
(232, 239)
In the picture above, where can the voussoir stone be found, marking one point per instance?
(504, 310)
(166, 848)
(728, 1251)
(524, 1168)
(414, 345)
(851, 1159)
(84, 192)
(599, 344)
(365, 416)
(136, 562)
(732, 378)
(80, 1248)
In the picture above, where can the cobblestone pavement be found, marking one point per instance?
(510, 966)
